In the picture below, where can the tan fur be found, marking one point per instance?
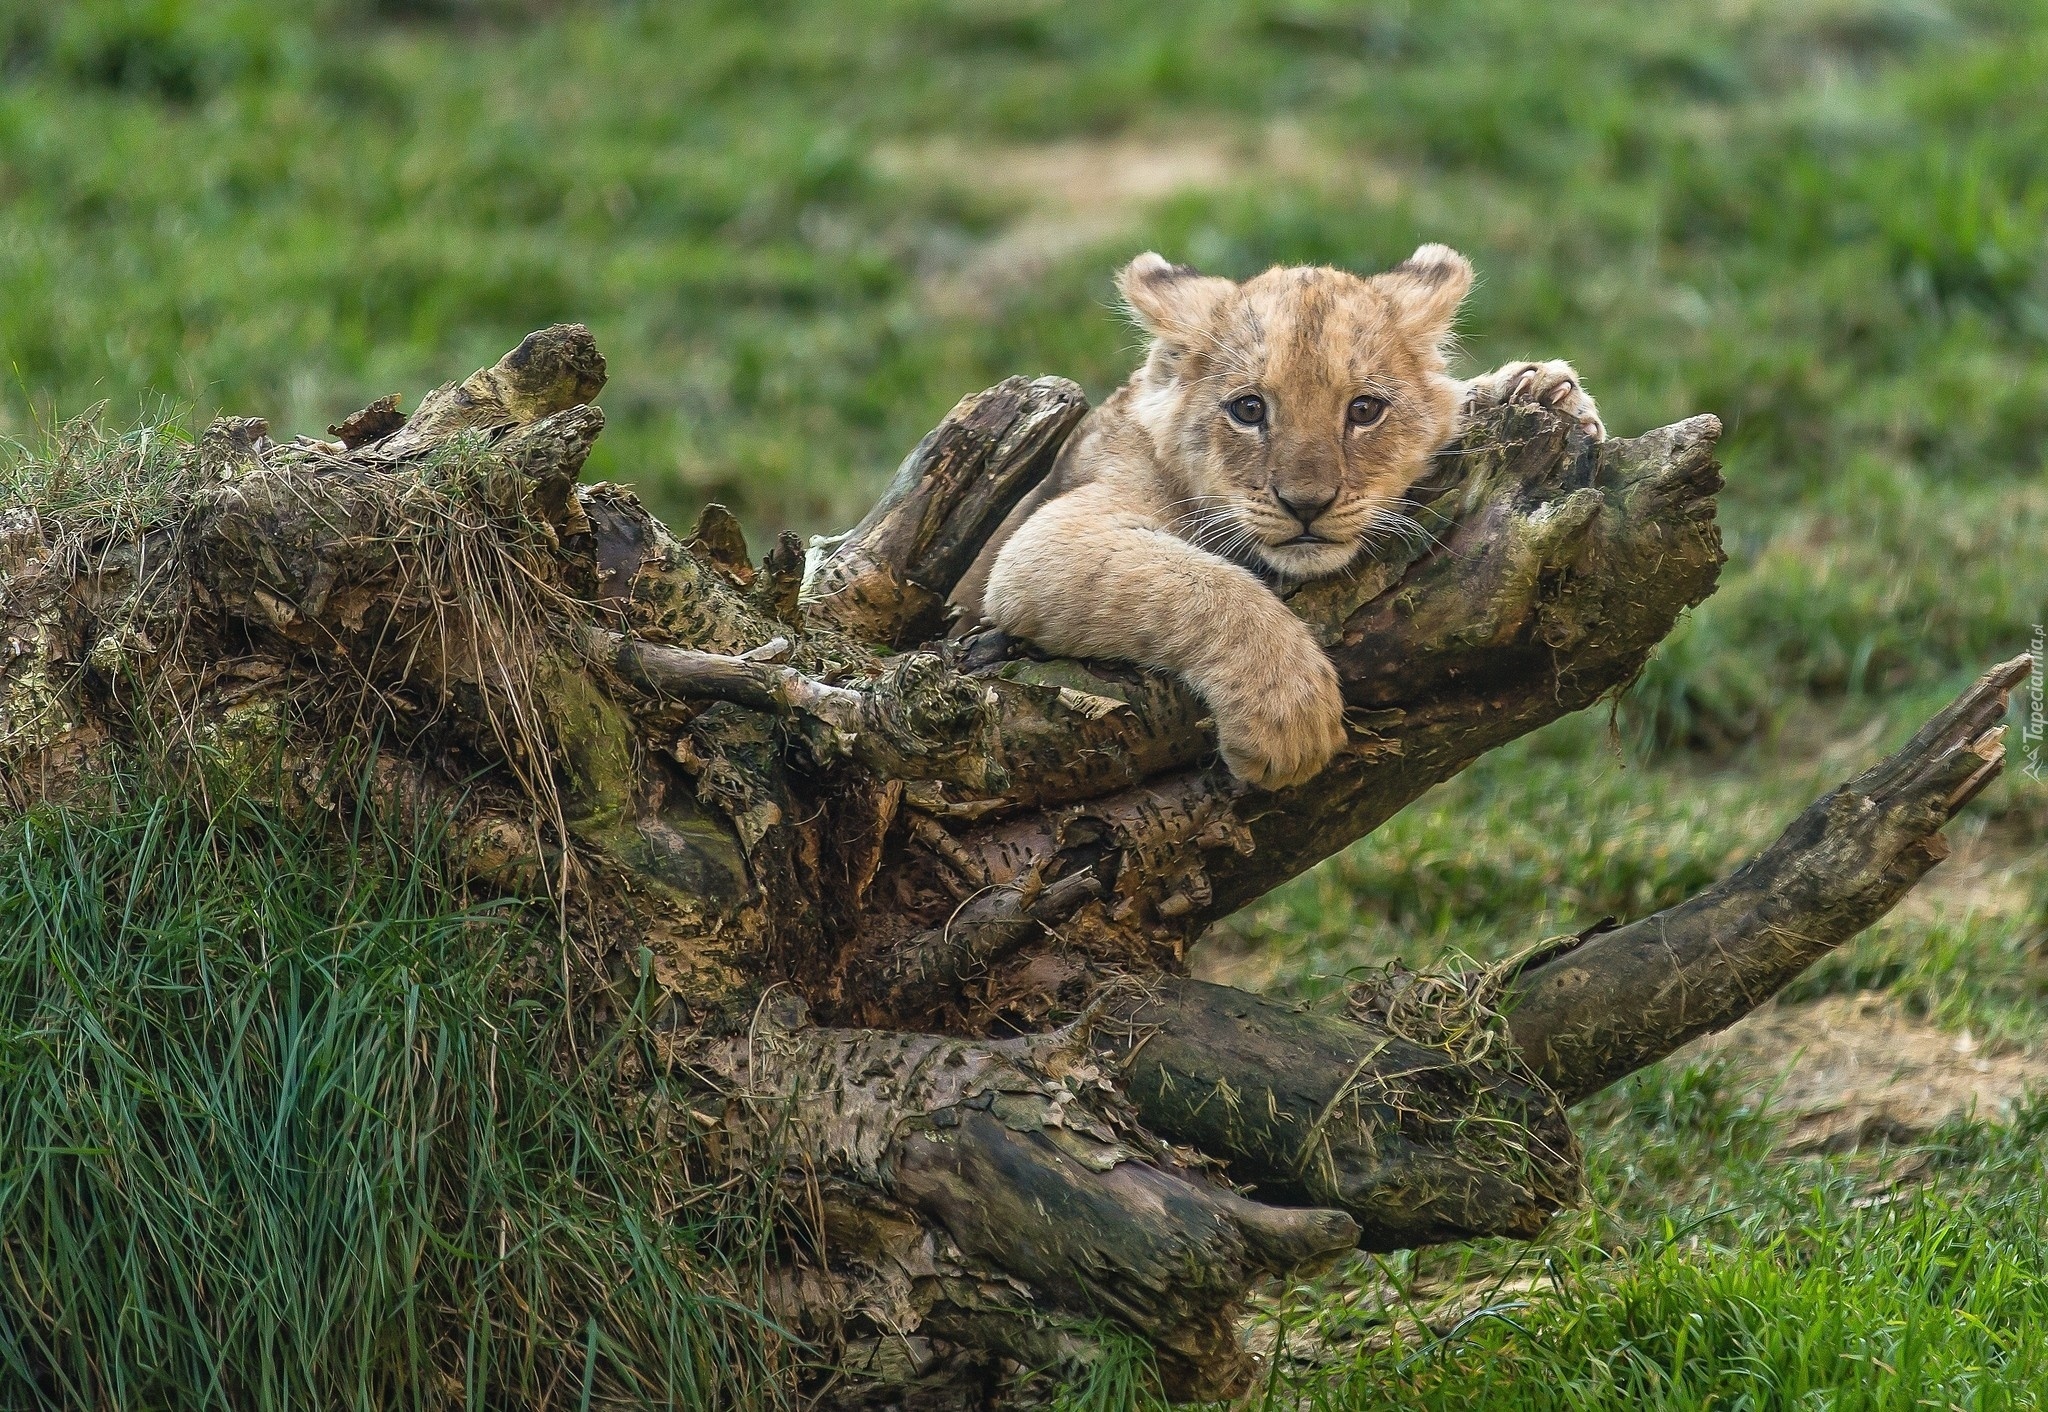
(1143, 542)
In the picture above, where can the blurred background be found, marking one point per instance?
(802, 230)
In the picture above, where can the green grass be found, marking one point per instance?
(280, 1125)
(797, 229)
(1909, 1281)
(1819, 218)
(85, 476)
(1935, 1299)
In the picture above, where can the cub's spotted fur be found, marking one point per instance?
(1270, 435)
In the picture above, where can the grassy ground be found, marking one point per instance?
(282, 1129)
(802, 229)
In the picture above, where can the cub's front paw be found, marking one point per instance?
(1279, 728)
(1554, 384)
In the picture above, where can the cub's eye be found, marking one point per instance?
(1248, 410)
(1365, 411)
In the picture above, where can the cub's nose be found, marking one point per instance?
(1304, 504)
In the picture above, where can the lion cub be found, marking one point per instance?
(1269, 435)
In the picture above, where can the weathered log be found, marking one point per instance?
(887, 579)
(914, 911)
(1021, 1155)
(1420, 1140)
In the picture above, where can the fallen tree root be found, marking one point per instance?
(1419, 1142)
(910, 914)
(1025, 1184)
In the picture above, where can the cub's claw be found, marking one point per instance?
(1284, 733)
(1554, 384)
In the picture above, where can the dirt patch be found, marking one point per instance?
(1110, 177)
(1076, 195)
(1853, 1070)
(1980, 878)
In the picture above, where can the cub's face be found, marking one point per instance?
(1296, 409)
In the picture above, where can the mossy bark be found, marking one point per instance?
(916, 908)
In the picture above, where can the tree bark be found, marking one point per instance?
(915, 908)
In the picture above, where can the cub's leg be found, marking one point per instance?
(1554, 384)
(1089, 577)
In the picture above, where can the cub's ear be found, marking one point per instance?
(1171, 301)
(1429, 286)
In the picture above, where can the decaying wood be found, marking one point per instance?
(1016, 1159)
(1420, 1139)
(888, 578)
(915, 908)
